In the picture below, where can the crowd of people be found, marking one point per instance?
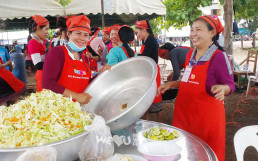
(66, 67)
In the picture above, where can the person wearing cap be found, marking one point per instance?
(105, 35)
(122, 51)
(62, 39)
(208, 78)
(149, 48)
(38, 30)
(14, 46)
(66, 69)
(177, 57)
(114, 42)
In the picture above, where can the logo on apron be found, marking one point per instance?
(79, 72)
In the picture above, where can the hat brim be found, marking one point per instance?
(79, 28)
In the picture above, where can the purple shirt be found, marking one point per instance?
(53, 68)
(218, 73)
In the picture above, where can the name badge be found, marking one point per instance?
(187, 73)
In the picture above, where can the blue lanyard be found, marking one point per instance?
(195, 63)
(80, 58)
(38, 39)
(68, 48)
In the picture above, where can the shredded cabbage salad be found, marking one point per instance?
(41, 118)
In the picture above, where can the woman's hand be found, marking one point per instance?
(2, 65)
(106, 67)
(220, 91)
(89, 54)
(83, 98)
(163, 88)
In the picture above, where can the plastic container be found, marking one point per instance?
(19, 70)
(160, 151)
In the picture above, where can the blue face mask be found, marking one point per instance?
(74, 47)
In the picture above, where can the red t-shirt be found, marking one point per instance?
(36, 47)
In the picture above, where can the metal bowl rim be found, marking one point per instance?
(146, 91)
(48, 144)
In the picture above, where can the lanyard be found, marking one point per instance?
(80, 57)
(41, 41)
(68, 48)
(195, 63)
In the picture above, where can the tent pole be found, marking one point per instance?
(7, 37)
(165, 28)
(165, 31)
(2, 38)
(102, 12)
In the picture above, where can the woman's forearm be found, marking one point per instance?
(174, 84)
(227, 90)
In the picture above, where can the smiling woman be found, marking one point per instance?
(66, 69)
(38, 29)
(206, 81)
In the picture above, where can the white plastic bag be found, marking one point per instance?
(39, 154)
(98, 143)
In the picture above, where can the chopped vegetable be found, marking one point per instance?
(127, 158)
(41, 118)
(159, 134)
(123, 107)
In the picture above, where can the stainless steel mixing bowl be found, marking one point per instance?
(130, 84)
(67, 149)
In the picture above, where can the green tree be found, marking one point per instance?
(247, 10)
(64, 2)
(51, 33)
(180, 13)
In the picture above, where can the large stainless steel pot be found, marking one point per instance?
(130, 83)
(67, 149)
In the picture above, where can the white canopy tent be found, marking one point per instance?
(14, 13)
(10, 9)
(117, 7)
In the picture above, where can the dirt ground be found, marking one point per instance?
(250, 118)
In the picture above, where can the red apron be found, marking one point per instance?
(38, 78)
(109, 47)
(142, 49)
(183, 64)
(8, 76)
(199, 113)
(158, 99)
(93, 63)
(126, 51)
(50, 44)
(38, 75)
(75, 75)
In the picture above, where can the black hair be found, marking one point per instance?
(149, 30)
(32, 25)
(215, 38)
(61, 23)
(167, 46)
(93, 30)
(126, 34)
